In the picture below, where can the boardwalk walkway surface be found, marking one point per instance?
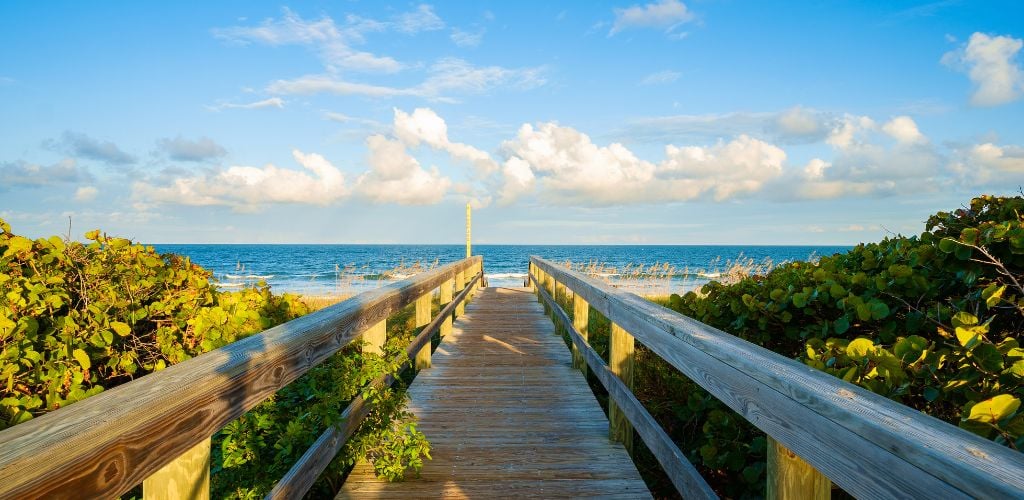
(507, 415)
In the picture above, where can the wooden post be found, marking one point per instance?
(789, 477)
(621, 347)
(445, 298)
(460, 283)
(422, 318)
(188, 476)
(581, 320)
(374, 338)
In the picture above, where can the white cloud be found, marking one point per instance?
(518, 180)
(846, 132)
(797, 125)
(467, 38)
(904, 130)
(249, 188)
(83, 146)
(989, 62)
(568, 165)
(198, 150)
(664, 14)
(273, 102)
(660, 77)
(988, 163)
(424, 125)
(396, 177)
(24, 174)
(86, 193)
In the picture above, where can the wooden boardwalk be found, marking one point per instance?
(507, 415)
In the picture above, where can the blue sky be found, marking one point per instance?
(718, 122)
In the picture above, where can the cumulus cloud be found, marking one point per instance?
(660, 77)
(424, 125)
(82, 146)
(396, 177)
(665, 15)
(904, 130)
(566, 163)
(989, 163)
(273, 102)
(24, 174)
(990, 62)
(864, 166)
(799, 124)
(197, 150)
(249, 188)
(86, 193)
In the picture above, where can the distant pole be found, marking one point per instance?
(469, 228)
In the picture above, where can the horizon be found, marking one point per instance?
(618, 123)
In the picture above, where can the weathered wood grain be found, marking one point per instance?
(375, 337)
(684, 476)
(444, 298)
(304, 473)
(789, 477)
(422, 318)
(507, 415)
(580, 321)
(105, 445)
(621, 355)
(868, 445)
(186, 477)
(460, 284)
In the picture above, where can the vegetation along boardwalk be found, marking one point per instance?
(507, 415)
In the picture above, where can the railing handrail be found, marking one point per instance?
(105, 445)
(869, 445)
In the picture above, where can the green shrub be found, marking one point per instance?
(931, 321)
(78, 318)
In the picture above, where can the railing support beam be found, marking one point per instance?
(621, 353)
(445, 299)
(187, 477)
(422, 318)
(790, 478)
(580, 320)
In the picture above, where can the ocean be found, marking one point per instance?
(324, 270)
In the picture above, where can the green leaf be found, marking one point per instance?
(988, 357)
(931, 394)
(993, 295)
(995, 409)
(82, 358)
(909, 349)
(120, 328)
(879, 310)
(968, 337)
(842, 325)
(948, 245)
(859, 348)
(963, 318)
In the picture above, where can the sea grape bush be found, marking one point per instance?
(932, 321)
(78, 318)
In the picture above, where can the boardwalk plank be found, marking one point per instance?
(507, 415)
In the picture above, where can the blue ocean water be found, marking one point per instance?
(344, 269)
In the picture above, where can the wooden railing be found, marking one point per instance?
(156, 430)
(870, 446)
